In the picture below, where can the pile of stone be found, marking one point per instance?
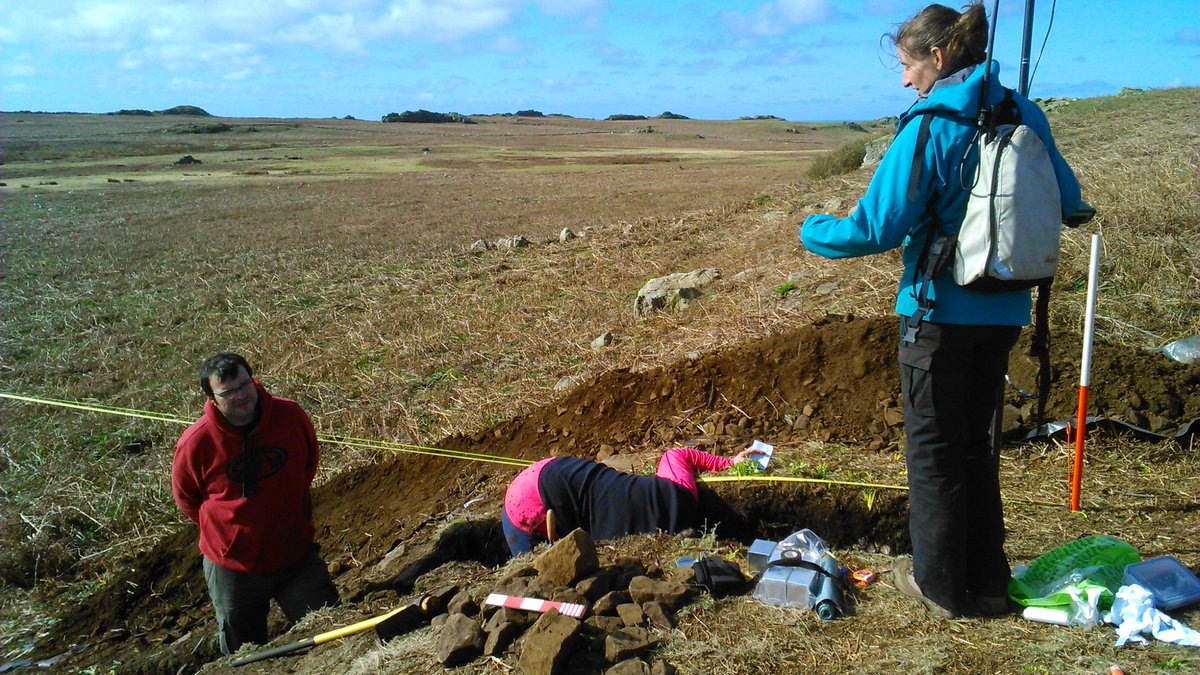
(629, 609)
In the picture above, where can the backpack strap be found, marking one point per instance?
(805, 564)
(938, 251)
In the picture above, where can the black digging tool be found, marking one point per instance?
(426, 608)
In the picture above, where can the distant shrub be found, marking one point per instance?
(529, 113)
(842, 160)
(133, 111)
(427, 117)
(216, 128)
(668, 115)
(760, 117)
(185, 110)
(624, 118)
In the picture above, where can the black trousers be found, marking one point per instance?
(951, 378)
(242, 600)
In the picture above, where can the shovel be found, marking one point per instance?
(427, 606)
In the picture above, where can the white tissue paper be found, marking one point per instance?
(1133, 613)
(766, 449)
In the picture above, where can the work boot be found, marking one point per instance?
(902, 577)
(990, 606)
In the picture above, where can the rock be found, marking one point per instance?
(462, 603)
(833, 204)
(594, 587)
(603, 624)
(660, 617)
(827, 288)
(518, 241)
(607, 604)
(517, 586)
(605, 452)
(631, 614)
(627, 643)
(548, 644)
(662, 668)
(568, 595)
(508, 615)
(460, 641)
(500, 637)
(629, 667)
(566, 383)
(854, 126)
(874, 151)
(628, 569)
(605, 339)
(570, 558)
(566, 235)
(893, 416)
(674, 291)
(671, 594)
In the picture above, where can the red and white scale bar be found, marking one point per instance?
(535, 604)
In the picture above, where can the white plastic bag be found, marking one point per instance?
(1186, 350)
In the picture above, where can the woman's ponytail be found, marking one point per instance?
(962, 36)
(966, 44)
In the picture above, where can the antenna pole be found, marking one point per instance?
(983, 121)
(1027, 36)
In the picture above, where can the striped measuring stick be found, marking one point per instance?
(535, 604)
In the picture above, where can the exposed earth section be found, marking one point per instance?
(834, 381)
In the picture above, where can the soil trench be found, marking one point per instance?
(835, 380)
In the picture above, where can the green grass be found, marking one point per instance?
(845, 159)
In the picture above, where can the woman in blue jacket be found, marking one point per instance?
(951, 373)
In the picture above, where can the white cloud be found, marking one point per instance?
(340, 32)
(441, 20)
(565, 7)
(781, 16)
(506, 45)
(21, 65)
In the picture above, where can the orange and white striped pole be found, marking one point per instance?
(1085, 369)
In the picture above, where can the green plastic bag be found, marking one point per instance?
(1091, 562)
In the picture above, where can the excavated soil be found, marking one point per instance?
(831, 381)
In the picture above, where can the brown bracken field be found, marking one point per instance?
(336, 255)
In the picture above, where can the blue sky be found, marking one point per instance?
(796, 59)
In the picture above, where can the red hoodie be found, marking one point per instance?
(249, 493)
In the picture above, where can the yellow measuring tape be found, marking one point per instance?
(324, 438)
(426, 450)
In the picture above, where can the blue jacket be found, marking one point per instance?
(886, 218)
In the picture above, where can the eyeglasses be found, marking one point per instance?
(229, 394)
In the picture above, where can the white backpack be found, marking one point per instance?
(1009, 239)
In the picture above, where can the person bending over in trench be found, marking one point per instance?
(605, 502)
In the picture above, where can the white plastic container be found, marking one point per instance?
(760, 554)
(1172, 584)
(785, 586)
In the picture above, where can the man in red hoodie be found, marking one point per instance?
(243, 474)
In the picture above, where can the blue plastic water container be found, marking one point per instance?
(1172, 584)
